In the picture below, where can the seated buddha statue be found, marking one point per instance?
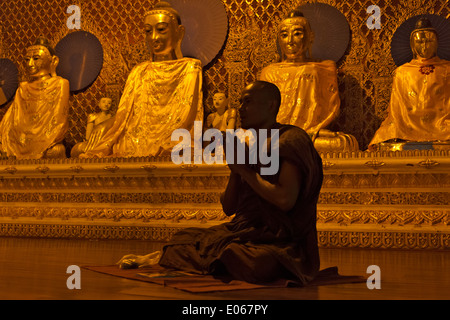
(223, 118)
(419, 108)
(97, 124)
(309, 89)
(160, 95)
(37, 120)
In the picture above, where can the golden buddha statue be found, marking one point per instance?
(97, 125)
(223, 118)
(309, 89)
(419, 108)
(160, 95)
(37, 120)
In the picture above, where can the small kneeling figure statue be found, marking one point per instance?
(97, 124)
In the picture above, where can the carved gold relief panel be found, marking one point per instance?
(328, 198)
(384, 240)
(394, 216)
(341, 239)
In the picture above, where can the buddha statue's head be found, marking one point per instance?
(105, 104)
(295, 37)
(41, 60)
(220, 101)
(423, 40)
(164, 32)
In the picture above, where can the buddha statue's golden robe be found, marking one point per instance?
(419, 109)
(37, 118)
(158, 98)
(309, 93)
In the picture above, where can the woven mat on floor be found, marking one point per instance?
(206, 283)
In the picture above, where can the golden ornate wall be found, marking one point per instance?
(391, 200)
(365, 72)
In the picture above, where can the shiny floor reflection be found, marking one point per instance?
(36, 269)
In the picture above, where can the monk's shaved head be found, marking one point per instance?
(266, 91)
(260, 102)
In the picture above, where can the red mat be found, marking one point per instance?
(206, 283)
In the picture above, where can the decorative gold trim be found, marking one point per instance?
(375, 164)
(176, 196)
(87, 231)
(189, 167)
(149, 167)
(105, 214)
(77, 169)
(90, 198)
(404, 162)
(393, 216)
(326, 238)
(385, 197)
(428, 163)
(43, 169)
(112, 168)
(327, 164)
(384, 240)
(370, 216)
(11, 170)
(80, 197)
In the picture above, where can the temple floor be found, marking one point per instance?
(33, 268)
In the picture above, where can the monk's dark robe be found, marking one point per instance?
(261, 243)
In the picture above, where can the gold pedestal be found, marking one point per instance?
(410, 146)
(368, 200)
(386, 200)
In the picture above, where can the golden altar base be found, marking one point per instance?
(369, 199)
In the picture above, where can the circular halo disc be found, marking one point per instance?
(9, 80)
(331, 31)
(400, 47)
(206, 24)
(80, 59)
